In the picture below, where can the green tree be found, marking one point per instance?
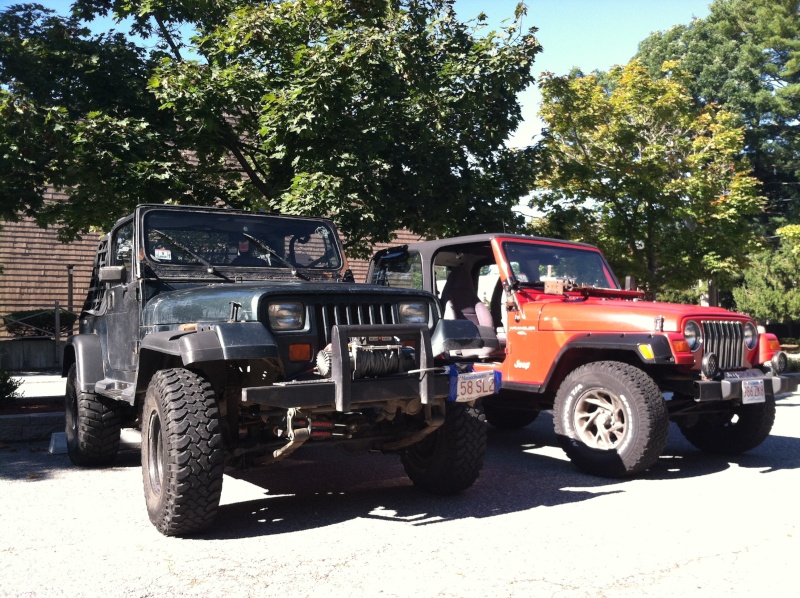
(654, 180)
(380, 114)
(745, 56)
(770, 290)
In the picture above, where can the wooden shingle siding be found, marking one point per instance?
(34, 266)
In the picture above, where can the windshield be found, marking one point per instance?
(537, 263)
(243, 240)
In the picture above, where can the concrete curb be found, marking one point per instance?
(35, 426)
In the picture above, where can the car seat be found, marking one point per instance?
(461, 302)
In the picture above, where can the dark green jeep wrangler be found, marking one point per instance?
(232, 338)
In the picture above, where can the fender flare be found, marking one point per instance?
(662, 350)
(85, 352)
(228, 341)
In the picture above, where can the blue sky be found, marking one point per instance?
(589, 34)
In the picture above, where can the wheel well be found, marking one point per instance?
(150, 362)
(574, 358)
(68, 360)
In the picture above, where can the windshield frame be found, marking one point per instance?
(543, 250)
(219, 241)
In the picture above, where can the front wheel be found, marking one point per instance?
(449, 460)
(182, 452)
(610, 419)
(736, 430)
(93, 425)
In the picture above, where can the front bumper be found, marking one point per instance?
(341, 392)
(731, 388)
(324, 393)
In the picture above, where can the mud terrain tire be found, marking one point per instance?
(93, 425)
(610, 419)
(182, 452)
(449, 460)
(718, 433)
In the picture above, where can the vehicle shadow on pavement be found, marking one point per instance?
(315, 493)
(320, 487)
(679, 460)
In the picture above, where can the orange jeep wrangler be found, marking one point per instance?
(614, 368)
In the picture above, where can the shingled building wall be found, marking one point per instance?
(35, 271)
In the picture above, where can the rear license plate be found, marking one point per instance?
(473, 385)
(752, 392)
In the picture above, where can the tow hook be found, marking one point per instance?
(297, 435)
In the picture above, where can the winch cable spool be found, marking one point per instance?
(373, 362)
(367, 361)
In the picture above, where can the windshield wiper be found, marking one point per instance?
(275, 254)
(209, 266)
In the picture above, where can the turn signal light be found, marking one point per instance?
(680, 346)
(300, 352)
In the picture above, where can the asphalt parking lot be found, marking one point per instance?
(328, 523)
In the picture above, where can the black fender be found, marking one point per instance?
(227, 341)
(629, 343)
(85, 352)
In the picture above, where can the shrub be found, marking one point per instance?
(8, 388)
(20, 323)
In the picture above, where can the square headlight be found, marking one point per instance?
(287, 315)
(413, 313)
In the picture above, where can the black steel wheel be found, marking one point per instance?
(182, 452)
(93, 425)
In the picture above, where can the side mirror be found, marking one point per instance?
(112, 274)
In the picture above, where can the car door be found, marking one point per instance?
(123, 313)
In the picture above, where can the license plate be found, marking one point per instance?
(752, 392)
(473, 385)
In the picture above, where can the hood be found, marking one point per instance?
(212, 303)
(616, 315)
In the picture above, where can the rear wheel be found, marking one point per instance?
(610, 419)
(505, 418)
(449, 460)
(739, 429)
(93, 425)
(182, 452)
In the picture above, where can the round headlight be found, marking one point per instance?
(750, 336)
(413, 313)
(693, 335)
(286, 316)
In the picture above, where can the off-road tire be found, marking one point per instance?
(504, 418)
(717, 432)
(182, 452)
(93, 425)
(449, 460)
(611, 419)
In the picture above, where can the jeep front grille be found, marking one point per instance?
(725, 339)
(329, 314)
